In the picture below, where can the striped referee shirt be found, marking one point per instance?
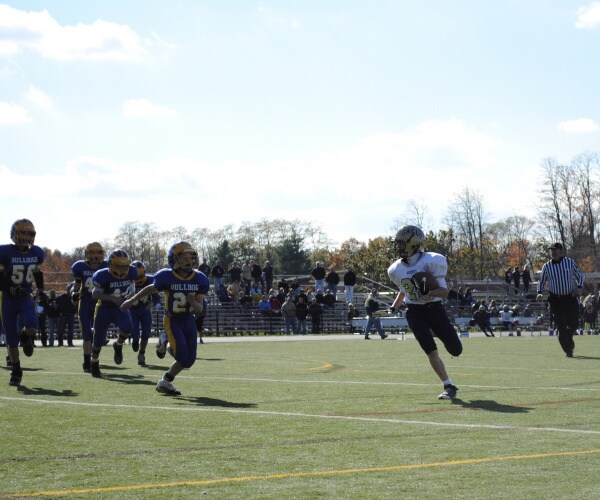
(561, 277)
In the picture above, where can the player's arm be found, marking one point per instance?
(38, 279)
(144, 292)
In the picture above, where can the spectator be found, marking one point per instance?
(204, 267)
(235, 273)
(508, 279)
(283, 284)
(218, 272)
(223, 296)
(267, 275)
(53, 315)
(371, 307)
(516, 278)
(264, 306)
(275, 305)
(67, 317)
(352, 313)
(526, 276)
(288, 311)
(590, 313)
(256, 291)
(256, 274)
(246, 275)
(316, 313)
(349, 284)
(301, 314)
(318, 273)
(41, 309)
(332, 279)
(329, 300)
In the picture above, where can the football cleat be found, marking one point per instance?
(95, 370)
(141, 359)
(15, 378)
(86, 366)
(135, 345)
(26, 343)
(8, 361)
(166, 387)
(118, 357)
(449, 392)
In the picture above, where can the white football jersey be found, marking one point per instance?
(401, 273)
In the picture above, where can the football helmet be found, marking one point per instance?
(94, 254)
(141, 268)
(409, 240)
(181, 255)
(22, 234)
(118, 263)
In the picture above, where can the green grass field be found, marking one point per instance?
(308, 419)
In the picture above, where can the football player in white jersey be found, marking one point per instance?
(425, 312)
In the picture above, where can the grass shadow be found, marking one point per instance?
(40, 391)
(202, 401)
(491, 405)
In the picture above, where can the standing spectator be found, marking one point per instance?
(246, 275)
(218, 272)
(235, 273)
(526, 276)
(301, 314)
(67, 310)
(508, 279)
(563, 279)
(425, 312)
(19, 270)
(352, 313)
(349, 284)
(256, 274)
(41, 309)
(267, 274)
(516, 278)
(590, 313)
(53, 314)
(288, 311)
(318, 273)
(283, 284)
(371, 307)
(332, 279)
(204, 267)
(316, 313)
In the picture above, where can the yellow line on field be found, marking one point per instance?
(325, 365)
(287, 475)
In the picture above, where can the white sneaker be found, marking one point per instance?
(167, 387)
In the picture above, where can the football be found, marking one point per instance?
(425, 281)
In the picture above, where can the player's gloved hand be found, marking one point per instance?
(158, 307)
(391, 309)
(18, 291)
(420, 285)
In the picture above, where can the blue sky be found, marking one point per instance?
(203, 114)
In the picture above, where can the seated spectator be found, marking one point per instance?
(283, 284)
(352, 313)
(301, 314)
(256, 291)
(275, 305)
(329, 300)
(223, 296)
(264, 306)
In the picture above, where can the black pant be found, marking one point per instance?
(564, 310)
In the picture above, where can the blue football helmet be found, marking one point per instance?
(182, 256)
(118, 263)
(94, 254)
(22, 234)
(141, 268)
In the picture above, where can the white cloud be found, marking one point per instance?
(277, 20)
(12, 113)
(579, 126)
(588, 16)
(142, 108)
(39, 98)
(39, 32)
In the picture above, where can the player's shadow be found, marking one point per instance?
(203, 401)
(127, 379)
(585, 357)
(41, 391)
(209, 359)
(490, 405)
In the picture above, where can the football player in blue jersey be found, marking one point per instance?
(112, 286)
(425, 312)
(141, 313)
(184, 289)
(19, 270)
(83, 271)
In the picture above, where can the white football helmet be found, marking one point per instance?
(409, 240)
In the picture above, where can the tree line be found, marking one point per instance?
(477, 248)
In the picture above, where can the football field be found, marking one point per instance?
(311, 419)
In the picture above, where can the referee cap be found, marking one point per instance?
(556, 246)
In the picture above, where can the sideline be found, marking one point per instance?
(288, 475)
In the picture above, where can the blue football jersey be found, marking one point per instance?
(19, 266)
(177, 288)
(82, 271)
(110, 285)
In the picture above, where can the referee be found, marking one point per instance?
(563, 280)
